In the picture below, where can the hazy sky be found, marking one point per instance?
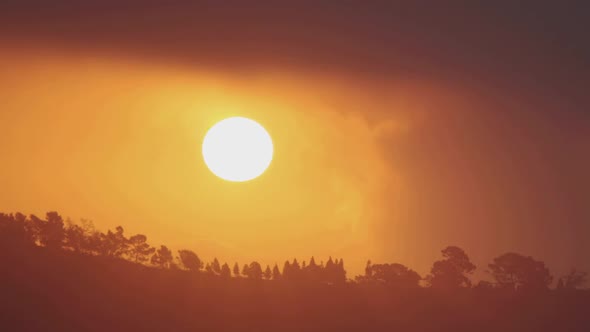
(399, 128)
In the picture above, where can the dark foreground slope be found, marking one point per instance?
(43, 290)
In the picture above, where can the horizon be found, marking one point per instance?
(508, 272)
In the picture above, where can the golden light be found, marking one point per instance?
(237, 149)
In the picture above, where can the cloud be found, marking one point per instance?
(382, 39)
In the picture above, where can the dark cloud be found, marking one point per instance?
(477, 42)
(535, 50)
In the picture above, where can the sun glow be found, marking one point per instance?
(237, 149)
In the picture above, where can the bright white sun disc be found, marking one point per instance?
(237, 149)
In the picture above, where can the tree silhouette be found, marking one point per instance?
(574, 280)
(50, 232)
(139, 249)
(392, 274)
(23, 230)
(253, 271)
(190, 260)
(287, 274)
(77, 236)
(36, 224)
(225, 271)
(294, 270)
(53, 233)
(515, 271)
(163, 257)
(236, 270)
(113, 244)
(368, 270)
(329, 269)
(334, 272)
(215, 267)
(276, 273)
(312, 272)
(267, 273)
(340, 273)
(450, 272)
(313, 267)
(16, 231)
(312, 263)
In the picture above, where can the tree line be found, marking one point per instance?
(509, 271)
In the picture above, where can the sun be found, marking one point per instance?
(237, 149)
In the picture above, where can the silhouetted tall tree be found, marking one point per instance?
(334, 272)
(340, 272)
(23, 229)
(77, 237)
(368, 270)
(330, 264)
(295, 270)
(254, 271)
(139, 249)
(163, 257)
(312, 272)
(276, 273)
(114, 244)
(50, 232)
(16, 231)
(451, 272)
(236, 270)
(215, 267)
(53, 233)
(190, 260)
(267, 273)
(313, 266)
(287, 270)
(225, 271)
(515, 271)
(36, 225)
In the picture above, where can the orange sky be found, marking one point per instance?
(119, 143)
(389, 143)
